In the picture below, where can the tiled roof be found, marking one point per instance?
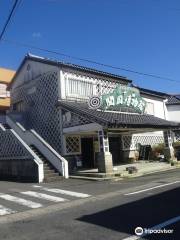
(71, 66)
(114, 119)
(173, 100)
(153, 93)
(76, 66)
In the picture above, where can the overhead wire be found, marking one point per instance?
(20, 44)
(14, 7)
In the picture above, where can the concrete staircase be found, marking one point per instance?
(50, 173)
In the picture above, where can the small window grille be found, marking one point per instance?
(72, 144)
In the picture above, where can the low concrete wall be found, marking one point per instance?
(23, 170)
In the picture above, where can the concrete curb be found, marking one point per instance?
(121, 177)
(150, 172)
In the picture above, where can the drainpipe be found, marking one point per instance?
(164, 107)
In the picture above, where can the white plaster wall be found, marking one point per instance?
(159, 133)
(173, 113)
(159, 110)
(83, 78)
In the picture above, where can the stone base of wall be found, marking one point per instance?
(104, 162)
(21, 170)
(169, 153)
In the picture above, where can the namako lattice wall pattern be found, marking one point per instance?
(10, 147)
(39, 98)
(177, 136)
(130, 142)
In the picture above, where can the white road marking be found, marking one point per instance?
(57, 190)
(131, 238)
(20, 201)
(156, 227)
(148, 189)
(5, 211)
(44, 196)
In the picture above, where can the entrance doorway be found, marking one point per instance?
(87, 151)
(115, 148)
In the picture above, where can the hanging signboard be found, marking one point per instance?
(123, 96)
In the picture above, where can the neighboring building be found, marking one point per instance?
(173, 111)
(6, 76)
(173, 108)
(78, 116)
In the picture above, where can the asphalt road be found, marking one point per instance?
(111, 210)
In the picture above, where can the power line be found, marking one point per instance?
(16, 5)
(20, 44)
(19, 3)
(9, 18)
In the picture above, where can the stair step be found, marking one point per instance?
(47, 171)
(42, 158)
(52, 174)
(46, 161)
(53, 179)
(46, 164)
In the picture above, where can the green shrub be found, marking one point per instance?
(176, 144)
(157, 150)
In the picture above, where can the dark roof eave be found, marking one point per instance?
(172, 104)
(153, 95)
(101, 121)
(72, 66)
(160, 127)
(114, 124)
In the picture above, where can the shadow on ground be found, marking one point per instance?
(146, 212)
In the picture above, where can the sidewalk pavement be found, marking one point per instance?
(144, 167)
(120, 172)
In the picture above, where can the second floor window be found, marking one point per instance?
(79, 88)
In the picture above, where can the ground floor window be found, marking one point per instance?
(72, 145)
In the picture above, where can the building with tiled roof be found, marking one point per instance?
(173, 100)
(65, 117)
